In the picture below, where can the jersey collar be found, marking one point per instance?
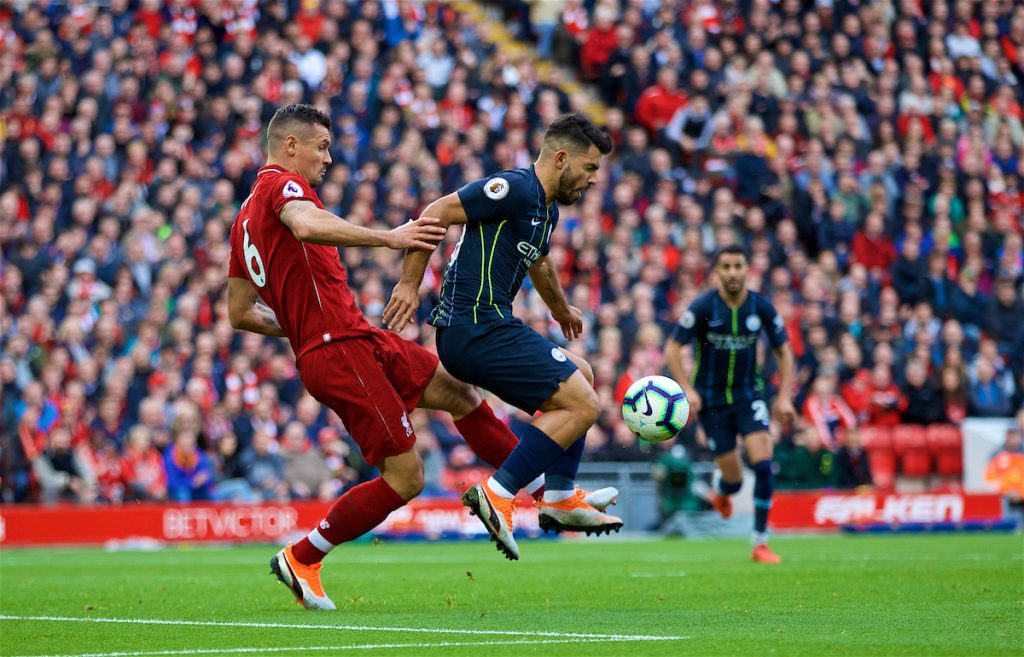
(540, 187)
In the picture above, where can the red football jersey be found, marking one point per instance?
(304, 284)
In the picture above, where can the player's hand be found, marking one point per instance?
(785, 412)
(695, 400)
(571, 321)
(423, 233)
(402, 306)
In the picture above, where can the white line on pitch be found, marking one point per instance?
(367, 646)
(353, 628)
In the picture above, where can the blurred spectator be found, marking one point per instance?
(660, 102)
(805, 463)
(229, 474)
(142, 468)
(887, 401)
(189, 473)
(953, 384)
(1005, 469)
(825, 409)
(104, 460)
(987, 396)
(1004, 318)
(63, 472)
(305, 470)
(264, 469)
(872, 247)
(623, 446)
(924, 400)
(850, 465)
(679, 491)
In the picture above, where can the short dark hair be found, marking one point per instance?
(288, 116)
(578, 131)
(734, 249)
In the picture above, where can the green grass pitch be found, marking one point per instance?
(839, 595)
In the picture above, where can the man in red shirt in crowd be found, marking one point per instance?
(659, 103)
(286, 279)
(872, 247)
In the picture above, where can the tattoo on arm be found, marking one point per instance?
(267, 318)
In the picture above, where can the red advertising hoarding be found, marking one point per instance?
(429, 517)
(824, 510)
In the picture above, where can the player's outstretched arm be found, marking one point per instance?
(246, 313)
(405, 298)
(785, 412)
(317, 226)
(545, 281)
(677, 358)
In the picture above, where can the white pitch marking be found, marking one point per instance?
(367, 646)
(354, 628)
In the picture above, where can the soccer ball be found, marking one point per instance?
(655, 408)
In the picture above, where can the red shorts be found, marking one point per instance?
(372, 383)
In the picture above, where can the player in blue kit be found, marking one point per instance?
(508, 221)
(725, 387)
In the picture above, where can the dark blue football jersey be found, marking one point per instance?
(509, 228)
(725, 369)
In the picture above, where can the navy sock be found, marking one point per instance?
(728, 487)
(532, 457)
(562, 473)
(763, 483)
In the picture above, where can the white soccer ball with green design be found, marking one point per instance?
(655, 408)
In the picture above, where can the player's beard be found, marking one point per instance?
(570, 187)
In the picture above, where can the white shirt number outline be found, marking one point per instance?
(252, 256)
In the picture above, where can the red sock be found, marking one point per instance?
(356, 512)
(487, 436)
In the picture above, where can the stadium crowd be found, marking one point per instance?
(868, 155)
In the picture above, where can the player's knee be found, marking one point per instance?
(406, 479)
(589, 408)
(461, 398)
(409, 484)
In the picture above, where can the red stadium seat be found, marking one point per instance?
(876, 438)
(882, 464)
(877, 442)
(945, 442)
(910, 443)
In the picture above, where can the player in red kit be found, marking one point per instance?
(286, 279)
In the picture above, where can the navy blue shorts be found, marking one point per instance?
(723, 423)
(507, 358)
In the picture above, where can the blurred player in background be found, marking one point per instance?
(508, 220)
(725, 387)
(284, 252)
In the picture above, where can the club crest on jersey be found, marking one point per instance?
(687, 320)
(496, 189)
(753, 323)
(292, 190)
